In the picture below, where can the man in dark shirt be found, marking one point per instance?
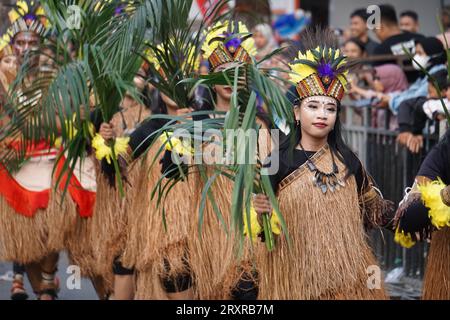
(393, 39)
(409, 21)
(359, 30)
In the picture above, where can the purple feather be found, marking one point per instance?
(118, 11)
(30, 16)
(233, 43)
(325, 70)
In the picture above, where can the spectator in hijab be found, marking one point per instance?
(388, 78)
(264, 41)
(430, 55)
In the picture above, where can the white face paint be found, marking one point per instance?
(317, 116)
(24, 42)
(320, 105)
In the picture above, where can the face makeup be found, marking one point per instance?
(320, 106)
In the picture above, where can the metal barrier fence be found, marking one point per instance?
(393, 167)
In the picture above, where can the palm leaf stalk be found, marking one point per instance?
(242, 115)
(172, 55)
(174, 48)
(96, 62)
(248, 177)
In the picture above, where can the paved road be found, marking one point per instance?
(404, 288)
(86, 292)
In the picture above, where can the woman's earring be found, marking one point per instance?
(297, 122)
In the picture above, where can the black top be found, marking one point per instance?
(370, 46)
(394, 45)
(291, 161)
(437, 163)
(142, 137)
(411, 117)
(96, 118)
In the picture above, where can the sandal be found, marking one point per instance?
(48, 294)
(49, 287)
(57, 284)
(18, 291)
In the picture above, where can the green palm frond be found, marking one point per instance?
(242, 115)
(97, 61)
(176, 47)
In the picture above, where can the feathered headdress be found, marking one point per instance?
(321, 69)
(122, 7)
(28, 15)
(5, 44)
(190, 58)
(228, 42)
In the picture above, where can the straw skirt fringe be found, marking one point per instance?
(329, 256)
(436, 285)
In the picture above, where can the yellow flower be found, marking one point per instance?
(72, 131)
(439, 213)
(58, 142)
(102, 150)
(403, 239)
(255, 227)
(121, 145)
(175, 144)
(275, 223)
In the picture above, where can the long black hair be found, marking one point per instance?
(335, 140)
(325, 38)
